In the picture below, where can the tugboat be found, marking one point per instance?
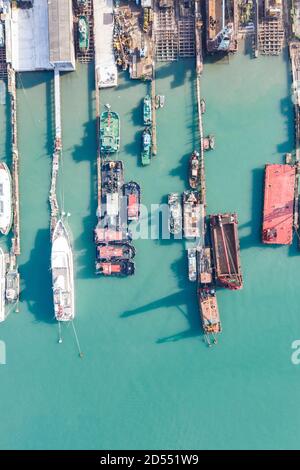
(147, 111)
(146, 150)
(112, 176)
(132, 192)
(194, 170)
(115, 268)
(106, 235)
(83, 33)
(209, 313)
(192, 260)
(109, 131)
(191, 214)
(175, 213)
(109, 252)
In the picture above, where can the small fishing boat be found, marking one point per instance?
(62, 274)
(175, 213)
(147, 111)
(6, 212)
(2, 285)
(209, 142)
(115, 268)
(82, 4)
(83, 33)
(114, 251)
(194, 170)
(146, 149)
(132, 192)
(161, 101)
(192, 261)
(107, 235)
(202, 106)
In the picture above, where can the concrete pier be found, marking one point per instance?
(54, 208)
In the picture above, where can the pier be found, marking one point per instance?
(16, 245)
(153, 104)
(294, 49)
(54, 208)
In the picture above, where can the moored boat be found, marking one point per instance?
(278, 215)
(146, 147)
(194, 170)
(132, 192)
(109, 131)
(62, 274)
(82, 4)
(147, 111)
(202, 105)
(175, 213)
(83, 33)
(114, 251)
(204, 266)
(209, 142)
(112, 176)
(110, 235)
(209, 313)
(226, 250)
(115, 268)
(6, 211)
(192, 264)
(191, 214)
(2, 285)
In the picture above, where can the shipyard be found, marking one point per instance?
(149, 220)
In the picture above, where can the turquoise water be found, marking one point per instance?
(147, 380)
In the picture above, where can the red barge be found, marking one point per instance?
(278, 204)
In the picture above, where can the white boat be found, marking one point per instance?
(5, 199)
(62, 274)
(192, 260)
(2, 285)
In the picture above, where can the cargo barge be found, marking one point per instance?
(226, 250)
(279, 187)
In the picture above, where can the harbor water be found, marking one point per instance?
(147, 380)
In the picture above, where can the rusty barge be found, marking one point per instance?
(226, 250)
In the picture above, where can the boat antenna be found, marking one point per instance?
(77, 340)
(59, 333)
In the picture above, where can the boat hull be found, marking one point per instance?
(6, 212)
(62, 274)
(226, 250)
(2, 285)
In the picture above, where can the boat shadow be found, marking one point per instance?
(86, 151)
(36, 287)
(184, 301)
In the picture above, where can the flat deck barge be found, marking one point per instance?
(226, 250)
(278, 204)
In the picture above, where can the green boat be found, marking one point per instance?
(146, 151)
(83, 33)
(82, 4)
(109, 131)
(147, 111)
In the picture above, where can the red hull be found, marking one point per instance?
(278, 204)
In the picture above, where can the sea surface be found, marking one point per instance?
(147, 380)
